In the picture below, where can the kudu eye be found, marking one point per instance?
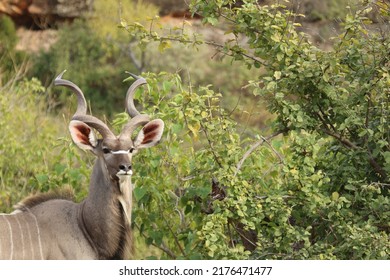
(106, 150)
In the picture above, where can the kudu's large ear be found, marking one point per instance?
(82, 135)
(150, 134)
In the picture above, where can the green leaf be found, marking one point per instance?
(42, 178)
(213, 21)
(139, 192)
(277, 75)
(123, 23)
(164, 45)
(271, 86)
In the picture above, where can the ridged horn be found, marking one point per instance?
(81, 103)
(137, 118)
(130, 107)
(81, 111)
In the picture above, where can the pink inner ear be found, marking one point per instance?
(81, 132)
(82, 135)
(150, 132)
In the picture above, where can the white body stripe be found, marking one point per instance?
(21, 236)
(31, 242)
(10, 237)
(38, 234)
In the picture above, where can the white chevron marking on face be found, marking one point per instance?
(120, 152)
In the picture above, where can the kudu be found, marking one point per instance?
(48, 227)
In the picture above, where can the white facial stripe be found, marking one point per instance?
(123, 152)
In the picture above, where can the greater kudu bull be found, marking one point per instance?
(49, 227)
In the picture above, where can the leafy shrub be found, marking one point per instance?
(31, 160)
(11, 61)
(17, 124)
(91, 63)
(319, 192)
(95, 55)
(8, 37)
(316, 188)
(226, 76)
(109, 13)
(174, 183)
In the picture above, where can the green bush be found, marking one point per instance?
(316, 188)
(12, 62)
(33, 159)
(319, 192)
(95, 66)
(8, 38)
(95, 55)
(226, 76)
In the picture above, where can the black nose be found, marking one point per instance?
(125, 167)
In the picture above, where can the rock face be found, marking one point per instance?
(169, 7)
(38, 12)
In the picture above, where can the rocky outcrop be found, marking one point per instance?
(41, 12)
(169, 7)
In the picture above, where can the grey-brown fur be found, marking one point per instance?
(49, 226)
(52, 226)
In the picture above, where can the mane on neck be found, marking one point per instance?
(36, 199)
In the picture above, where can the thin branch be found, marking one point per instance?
(136, 62)
(378, 169)
(242, 235)
(322, 116)
(237, 103)
(230, 234)
(211, 145)
(19, 73)
(343, 140)
(174, 236)
(120, 10)
(254, 147)
(213, 44)
(273, 149)
(162, 247)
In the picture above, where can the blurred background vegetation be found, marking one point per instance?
(200, 92)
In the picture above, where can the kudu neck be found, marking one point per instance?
(101, 184)
(102, 215)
